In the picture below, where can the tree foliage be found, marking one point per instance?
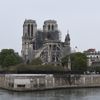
(35, 68)
(8, 58)
(78, 61)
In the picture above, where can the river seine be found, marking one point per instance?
(64, 94)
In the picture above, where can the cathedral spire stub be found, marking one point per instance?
(67, 38)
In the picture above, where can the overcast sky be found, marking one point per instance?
(81, 17)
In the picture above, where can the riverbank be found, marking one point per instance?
(37, 82)
(48, 89)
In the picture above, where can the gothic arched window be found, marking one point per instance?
(32, 30)
(52, 27)
(28, 29)
(48, 27)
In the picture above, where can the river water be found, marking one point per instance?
(64, 94)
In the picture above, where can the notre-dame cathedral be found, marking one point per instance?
(44, 44)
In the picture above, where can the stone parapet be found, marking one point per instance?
(31, 82)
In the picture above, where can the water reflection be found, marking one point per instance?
(64, 94)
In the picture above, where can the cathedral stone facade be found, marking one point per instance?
(44, 44)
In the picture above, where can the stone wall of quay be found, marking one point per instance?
(31, 82)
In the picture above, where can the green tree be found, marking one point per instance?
(78, 61)
(8, 58)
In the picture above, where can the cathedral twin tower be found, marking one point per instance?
(44, 44)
